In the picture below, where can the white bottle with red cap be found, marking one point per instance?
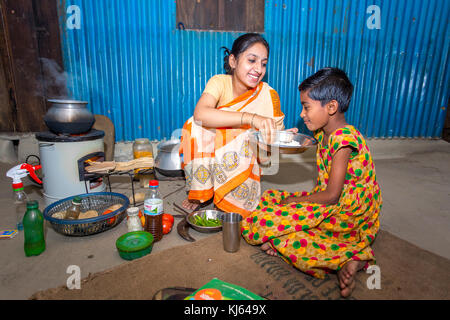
(153, 211)
(20, 198)
(20, 203)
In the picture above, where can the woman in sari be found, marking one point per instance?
(217, 159)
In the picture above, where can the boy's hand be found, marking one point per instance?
(288, 200)
(294, 130)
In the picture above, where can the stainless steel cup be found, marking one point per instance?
(231, 231)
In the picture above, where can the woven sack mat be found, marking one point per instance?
(406, 272)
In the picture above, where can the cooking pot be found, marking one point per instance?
(168, 160)
(69, 116)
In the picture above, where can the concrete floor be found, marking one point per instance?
(414, 176)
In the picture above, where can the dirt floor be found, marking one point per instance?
(414, 176)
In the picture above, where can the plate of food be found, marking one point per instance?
(287, 141)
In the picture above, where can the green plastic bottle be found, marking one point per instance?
(33, 226)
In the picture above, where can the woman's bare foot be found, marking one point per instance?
(346, 276)
(190, 205)
(268, 249)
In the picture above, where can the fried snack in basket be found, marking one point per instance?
(88, 214)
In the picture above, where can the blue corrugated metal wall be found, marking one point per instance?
(132, 64)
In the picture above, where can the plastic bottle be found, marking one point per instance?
(20, 198)
(153, 210)
(33, 226)
(74, 210)
(20, 203)
(133, 221)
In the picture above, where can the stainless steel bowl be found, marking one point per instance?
(211, 214)
(287, 142)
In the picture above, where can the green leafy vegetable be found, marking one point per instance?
(203, 221)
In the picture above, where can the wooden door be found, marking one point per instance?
(29, 36)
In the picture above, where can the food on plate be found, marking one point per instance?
(293, 143)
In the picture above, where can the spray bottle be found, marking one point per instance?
(20, 197)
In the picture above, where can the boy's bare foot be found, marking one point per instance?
(190, 205)
(268, 249)
(346, 276)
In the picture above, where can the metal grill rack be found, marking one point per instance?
(130, 173)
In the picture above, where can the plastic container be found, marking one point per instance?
(33, 226)
(133, 245)
(142, 148)
(133, 221)
(153, 211)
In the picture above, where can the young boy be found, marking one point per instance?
(330, 228)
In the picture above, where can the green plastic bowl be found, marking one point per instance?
(133, 245)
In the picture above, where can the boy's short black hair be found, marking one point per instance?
(329, 84)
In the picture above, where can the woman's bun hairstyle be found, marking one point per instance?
(240, 45)
(226, 58)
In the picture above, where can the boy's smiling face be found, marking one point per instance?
(313, 113)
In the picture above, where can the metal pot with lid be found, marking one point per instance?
(168, 160)
(69, 116)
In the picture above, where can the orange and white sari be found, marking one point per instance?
(219, 163)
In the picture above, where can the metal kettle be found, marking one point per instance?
(168, 161)
(69, 116)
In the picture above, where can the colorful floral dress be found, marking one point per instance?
(318, 238)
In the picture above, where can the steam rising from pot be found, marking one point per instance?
(54, 79)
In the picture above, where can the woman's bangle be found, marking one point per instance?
(251, 124)
(242, 117)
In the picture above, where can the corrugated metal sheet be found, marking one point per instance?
(132, 64)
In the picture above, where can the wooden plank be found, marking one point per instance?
(7, 122)
(50, 51)
(255, 15)
(198, 14)
(221, 15)
(23, 50)
(235, 15)
(6, 110)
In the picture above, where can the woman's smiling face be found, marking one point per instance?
(250, 66)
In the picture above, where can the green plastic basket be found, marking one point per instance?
(133, 245)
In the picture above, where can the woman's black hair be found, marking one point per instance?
(240, 45)
(329, 84)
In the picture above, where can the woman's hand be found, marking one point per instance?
(265, 125)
